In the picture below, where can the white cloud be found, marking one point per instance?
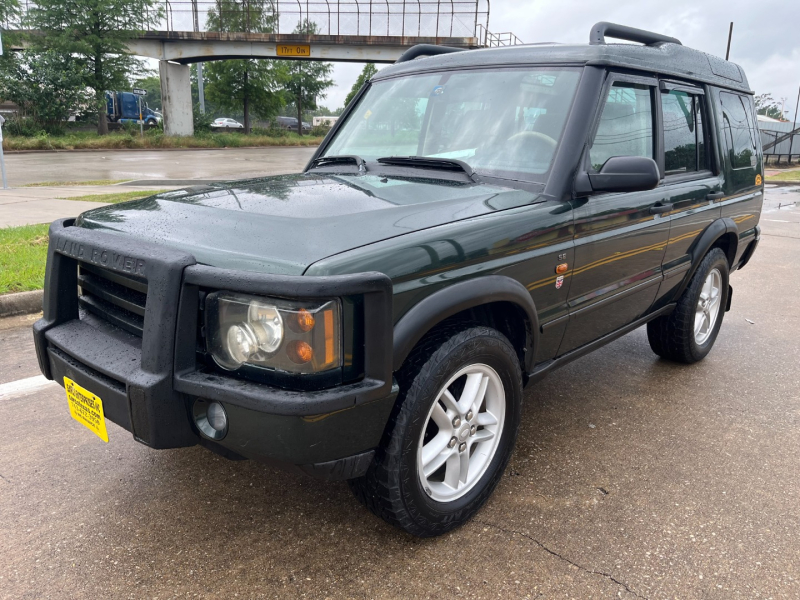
(765, 42)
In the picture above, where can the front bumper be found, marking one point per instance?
(149, 383)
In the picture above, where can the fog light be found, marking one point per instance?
(210, 418)
(217, 417)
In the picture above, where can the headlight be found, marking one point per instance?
(296, 337)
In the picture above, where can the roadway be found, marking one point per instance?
(25, 168)
(632, 478)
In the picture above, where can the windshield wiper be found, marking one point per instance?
(331, 161)
(429, 162)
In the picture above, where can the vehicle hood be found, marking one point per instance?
(284, 224)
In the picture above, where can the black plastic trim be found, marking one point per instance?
(543, 369)
(600, 30)
(349, 467)
(667, 85)
(426, 50)
(457, 297)
(157, 414)
(750, 250)
(373, 288)
(703, 244)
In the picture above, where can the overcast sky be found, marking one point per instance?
(766, 36)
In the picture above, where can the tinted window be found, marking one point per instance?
(684, 149)
(739, 136)
(626, 125)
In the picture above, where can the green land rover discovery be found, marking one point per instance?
(474, 220)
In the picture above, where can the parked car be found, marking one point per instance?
(477, 220)
(225, 123)
(290, 124)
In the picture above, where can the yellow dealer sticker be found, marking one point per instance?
(758, 179)
(86, 408)
(293, 50)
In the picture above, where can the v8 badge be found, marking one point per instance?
(559, 282)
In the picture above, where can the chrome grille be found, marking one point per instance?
(115, 298)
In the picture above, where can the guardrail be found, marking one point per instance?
(493, 40)
(420, 18)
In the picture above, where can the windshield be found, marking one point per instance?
(503, 123)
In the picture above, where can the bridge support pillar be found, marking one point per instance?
(176, 98)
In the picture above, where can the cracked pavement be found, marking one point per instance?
(632, 478)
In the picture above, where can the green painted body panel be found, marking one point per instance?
(523, 243)
(284, 224)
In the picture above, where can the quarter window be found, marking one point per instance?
(626, 124)
(739, 133)
(684, 147)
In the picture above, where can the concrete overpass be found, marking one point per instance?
(176, 50)
(335, 30)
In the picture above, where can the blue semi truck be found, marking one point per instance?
(123, 107)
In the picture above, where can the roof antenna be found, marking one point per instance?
(730, 35)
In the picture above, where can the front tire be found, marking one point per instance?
(451, 434)
(688, 333)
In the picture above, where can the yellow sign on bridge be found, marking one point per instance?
(293, 50)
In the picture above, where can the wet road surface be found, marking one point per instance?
(227, 163)
(632, 477)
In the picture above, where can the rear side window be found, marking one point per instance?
(684, 145)
(738, 130)
(626, 124)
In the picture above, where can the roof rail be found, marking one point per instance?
(600, 30)
(425, 50)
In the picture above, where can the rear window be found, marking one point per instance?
(684, 147)
(739, 131)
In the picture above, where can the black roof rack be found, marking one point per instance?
(621, 32)
(425, 50)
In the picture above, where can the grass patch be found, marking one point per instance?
(68, 183)
(116, 197)
(785, 176)
(84, 140)
(23, 254)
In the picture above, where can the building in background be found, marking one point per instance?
(326, 121)
(780, 139)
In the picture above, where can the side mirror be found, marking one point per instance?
(621, 174)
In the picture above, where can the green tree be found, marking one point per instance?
(250, 85)
(367, 73)
(9, 13)
(46, 86)
(306, 80)
(766, 105)
(93, 33)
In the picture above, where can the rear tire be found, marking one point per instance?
(688, 333)
(459, 385)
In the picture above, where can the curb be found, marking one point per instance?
(22, 303)
(194, 149)
(781, 183)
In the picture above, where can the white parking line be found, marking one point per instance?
(22, 387)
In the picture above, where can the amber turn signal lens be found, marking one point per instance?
(562, 268)
(305, 320)
(299, 352)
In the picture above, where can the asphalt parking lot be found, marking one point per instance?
(632, 478)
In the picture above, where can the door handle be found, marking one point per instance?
(660, 209)
(715, 195)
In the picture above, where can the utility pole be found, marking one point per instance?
(794, 126)
(200, 93)
(730, 35)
